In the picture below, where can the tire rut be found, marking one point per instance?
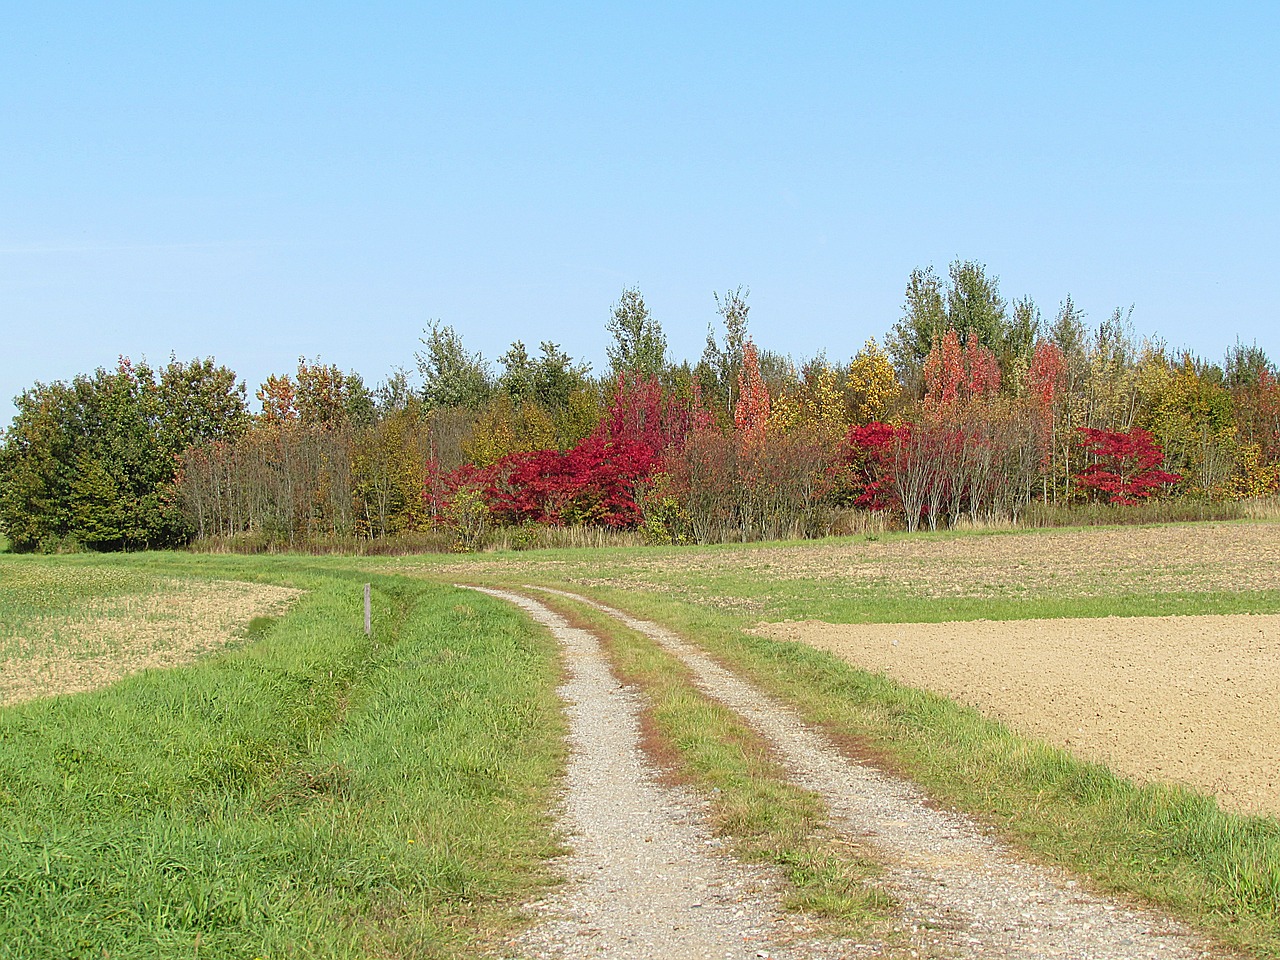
(962, 892)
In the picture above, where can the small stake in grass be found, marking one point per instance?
(368, 623)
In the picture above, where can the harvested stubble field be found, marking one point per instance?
(67, 637)
(938, 576)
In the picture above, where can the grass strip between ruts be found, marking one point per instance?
(309, 793)
(765, 817)
(1165, 844)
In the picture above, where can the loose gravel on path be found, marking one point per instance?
(963, 893)
(646, 878)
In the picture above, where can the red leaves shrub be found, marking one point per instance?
(868, 465)
(1126, 467)
(593, 483)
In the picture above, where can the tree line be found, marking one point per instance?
(972, 409)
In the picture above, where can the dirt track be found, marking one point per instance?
(960, 892)
(1192, 700)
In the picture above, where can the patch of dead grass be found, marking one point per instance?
(1062, 564)
(109, 638)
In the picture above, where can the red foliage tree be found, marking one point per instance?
(954, 375)
(1044, 376)
(944, 377)
(982, 370)
(752, 410)
(1126, 467)
(1043, 380)
(278, 399)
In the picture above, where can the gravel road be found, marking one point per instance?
(648, 883)
(646, 879)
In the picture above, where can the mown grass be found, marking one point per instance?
(1165, 844)
(767, 818)
(309, 793)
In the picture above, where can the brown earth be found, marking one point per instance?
(1069, 564)
(1190, 700)
(119, 636)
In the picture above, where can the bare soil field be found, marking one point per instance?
(114, 637)
(1190, 700)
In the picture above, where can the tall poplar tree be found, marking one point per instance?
(639, 347)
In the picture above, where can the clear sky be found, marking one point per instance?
(260, 181)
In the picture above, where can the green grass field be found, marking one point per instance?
(308, 792)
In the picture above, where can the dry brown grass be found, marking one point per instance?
(1069, 564)
(108, 638)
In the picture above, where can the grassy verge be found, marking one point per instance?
(308, 793)
(767, 818)
(800, 601)
(1164, 844)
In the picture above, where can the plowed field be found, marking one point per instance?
(1192, 700)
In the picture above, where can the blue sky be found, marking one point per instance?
(262, 181)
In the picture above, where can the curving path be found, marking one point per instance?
(642, 860)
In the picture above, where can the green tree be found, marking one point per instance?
(91, 461)
(102, 512)
(516, 379)
(974, 306)
(200, 403)
(393, 395)
(721, 365)
(547, 380)
(1111, 382)
(37, 465)
(924, 319)
(451, 376)
(557, 376)
(1019, 340)
(327, 397)
(1068, 332)
(639, 347)
(1246, 366)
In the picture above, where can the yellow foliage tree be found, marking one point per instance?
(873, 385)
(1253, 478)
(505, 427)
(816, 400)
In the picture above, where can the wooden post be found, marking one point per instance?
(368, 610)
